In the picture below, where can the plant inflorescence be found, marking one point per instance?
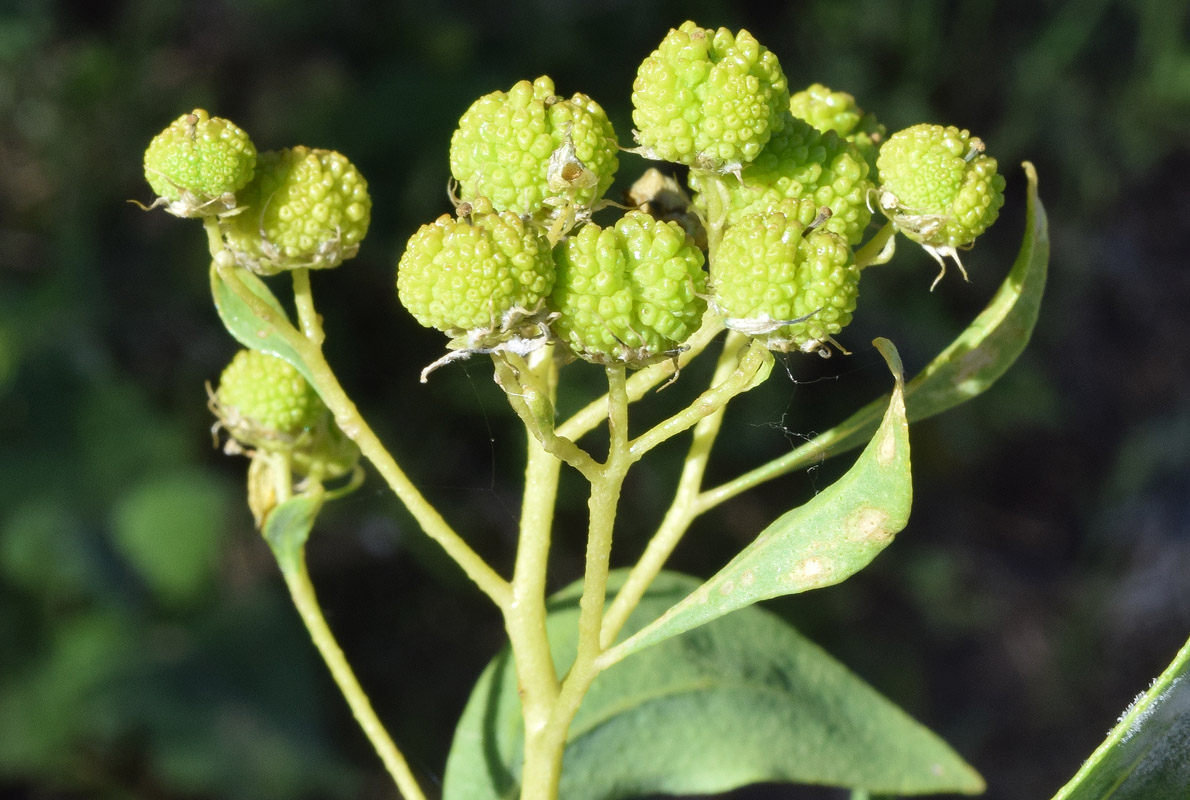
(759, 230)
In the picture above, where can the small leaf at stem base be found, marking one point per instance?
(248, 328)
(288, 526)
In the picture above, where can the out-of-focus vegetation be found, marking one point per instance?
(147, 649)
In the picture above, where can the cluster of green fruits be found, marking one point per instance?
(276, 210)
(783, 189)
(272, 211)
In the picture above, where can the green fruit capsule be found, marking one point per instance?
(264, 402)
(789, 287)
(198, 164)
(938, 188)
(305, 208)
(628, 294)
(801, 164)
(708, 98)
(834, 111)
(481, 274)
(532, 152)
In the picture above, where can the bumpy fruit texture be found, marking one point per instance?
(305, 208)
(710, 99)
(837, 111)
(800, 163)
(479, 272)
(789, 288)
(938, 187)
(263, 401)
(528, 150)
(628, 294)
(198, 163)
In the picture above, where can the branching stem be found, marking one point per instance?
(640, 383)
(543, 753)
(348, 418)
(683, 509)
(525, 615)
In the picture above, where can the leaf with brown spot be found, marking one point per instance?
(821, 543)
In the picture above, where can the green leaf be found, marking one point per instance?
(742, 700)
(288, 526)
(972, 362)
(821, 543)
(61, 699)
(248, 328)
(169, 528)
(1145, 755)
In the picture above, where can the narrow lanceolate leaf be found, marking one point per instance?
(288, 526)
(246, 326)
(972, 362)
(742, 700)
(821, 543)
(1147, 755)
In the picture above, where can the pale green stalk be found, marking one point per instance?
(717, 198)
(534, 405)
(303, 299)
(753, 365)
(302, 591)
(348, 418)
(878, 249)
(525, 615)
(681, 511)
(643, 380)
(543, 761)
(808, 453)
(308, 346)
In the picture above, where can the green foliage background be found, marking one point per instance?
(146, 646)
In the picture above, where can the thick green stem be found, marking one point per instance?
(543, 756)
(525, 615)
(604, 500)
(297, 578)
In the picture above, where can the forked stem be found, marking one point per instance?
(543, 752)
(525, 615)
(683, 509)
(352, 423)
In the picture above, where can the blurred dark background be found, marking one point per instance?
(147, 648)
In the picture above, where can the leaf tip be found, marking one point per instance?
(889, 351)
(1030, 172)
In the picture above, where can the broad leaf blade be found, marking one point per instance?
(1147, 755)
(972, 362)
(246, 326)
(742, 700)
(821, 543)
